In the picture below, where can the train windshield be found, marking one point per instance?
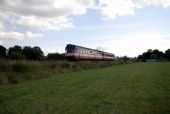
(70, 49)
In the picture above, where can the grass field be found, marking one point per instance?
(138, 88)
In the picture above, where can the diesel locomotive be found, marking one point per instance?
(74, 52)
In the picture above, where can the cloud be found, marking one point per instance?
(43, 24)
(38, 16)
(168, 37)
(11, 35)
(143, 3)
(111, 9)
(3, 15)
(100, 48)
(43, 14)
(1, 26)
(46, 8)
(1, 42)
(33, 17)
(31, 35)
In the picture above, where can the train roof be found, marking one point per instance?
(89, 48)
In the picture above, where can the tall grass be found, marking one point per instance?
(20, 71)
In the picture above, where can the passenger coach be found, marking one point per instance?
(74, 52)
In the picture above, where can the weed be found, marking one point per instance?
(20, 67)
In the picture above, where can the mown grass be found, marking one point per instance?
(139, 88)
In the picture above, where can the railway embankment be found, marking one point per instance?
(14, 72)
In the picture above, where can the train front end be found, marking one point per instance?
(70, 52)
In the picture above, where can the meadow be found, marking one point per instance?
(136, 88)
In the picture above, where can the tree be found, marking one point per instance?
(167, 54)
(55, 56)
(158, 53)
(125, 58)
(150, 50)
(34, 53)
(16, 49)
(140, 58)
(153, 56)
(28, 52)
(15, 53)
(146, 55)
(16, 56)
(2, 51)
(37, 53)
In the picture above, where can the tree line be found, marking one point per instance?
(35, 53)
(155, 54)
(28, 53)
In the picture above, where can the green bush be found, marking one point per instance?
(20, 67)
(4, 66)
(16, 56)
(66, 65)
(50, 64)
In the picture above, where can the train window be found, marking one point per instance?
(81, 51)
(76, 50)
(70, 50)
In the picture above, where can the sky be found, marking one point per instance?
(122, 27)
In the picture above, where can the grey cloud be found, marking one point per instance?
(44, 8)
(36, 15)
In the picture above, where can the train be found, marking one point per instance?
(75, 52)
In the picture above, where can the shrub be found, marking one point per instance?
(65, 65)
(55, 56)
(4, 66)
(51, 64)
(20, 67)
(2, 52)
(75, 66)
(16, 56)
